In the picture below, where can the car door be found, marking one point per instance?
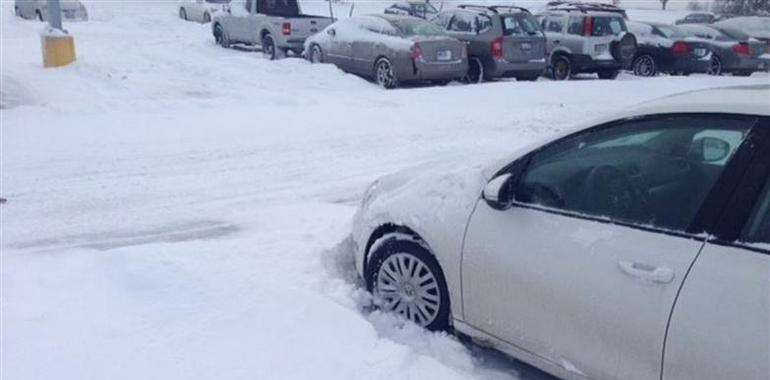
(235, 21)
(720, 326)
(370, 44)
(583, 270)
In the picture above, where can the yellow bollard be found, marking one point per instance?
(58, 49)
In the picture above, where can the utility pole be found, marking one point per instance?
(58, 44)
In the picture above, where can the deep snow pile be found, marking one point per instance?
(176, 210)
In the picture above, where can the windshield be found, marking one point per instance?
(608, 26)
(409, 28)
(520, 23)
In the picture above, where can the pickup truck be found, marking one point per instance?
(278, 26)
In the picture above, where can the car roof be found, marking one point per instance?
(393, 17)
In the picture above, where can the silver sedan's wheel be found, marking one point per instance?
(407, 287)
(316, 55)
(716, 66)
(644, 66)
(383, 73)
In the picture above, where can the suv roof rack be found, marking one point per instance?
(584, 7)
(495, 9)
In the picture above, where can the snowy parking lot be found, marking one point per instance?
(178, 210)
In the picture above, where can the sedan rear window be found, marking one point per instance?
(409, 28)
(520, 23)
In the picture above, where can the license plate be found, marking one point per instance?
(444, 55)
(699, 52)
(526, 46)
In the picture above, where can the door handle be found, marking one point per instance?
(658, 275)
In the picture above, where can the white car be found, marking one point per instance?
(201, 10)
(71, 10)
(635, 247)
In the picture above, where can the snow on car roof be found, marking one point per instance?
(750, 99)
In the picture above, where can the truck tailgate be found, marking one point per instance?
(304, 26)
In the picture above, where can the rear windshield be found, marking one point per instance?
(409, 28)
(608, 26)
(520, 23)
(283, 8)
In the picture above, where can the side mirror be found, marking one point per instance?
(498, 192)
(331, 32)
(714, 149)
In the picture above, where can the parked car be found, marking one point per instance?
(733, 51)
(586, 39)
(587, 5)
(698, 18)
(422, 9)
(586, 254)
(391, 49)
(754, 27)
(72, 10)
(663, 48)
(277, 26)
(201, 10)
(503, 42)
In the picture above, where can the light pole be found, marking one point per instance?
(54, 14)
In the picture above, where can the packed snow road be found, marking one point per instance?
(177, 210)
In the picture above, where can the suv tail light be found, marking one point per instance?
(588, 27)
(742, 48)
(416, 51)
(496, 48)
(286, 28)
(680, 48)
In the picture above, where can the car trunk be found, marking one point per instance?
(440, 50)
(697, 49)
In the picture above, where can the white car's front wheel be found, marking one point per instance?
(316, 54)
(406, 279)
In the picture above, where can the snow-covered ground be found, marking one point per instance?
(176, 210)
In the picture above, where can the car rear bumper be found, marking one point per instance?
(506, 69)
(588, 64)
(422, 71)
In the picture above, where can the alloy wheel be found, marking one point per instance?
(716, 66)
(644, 66)
(405, 285)
(384, 74)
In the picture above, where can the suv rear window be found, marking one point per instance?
(519, 23)
(608, 26)
(411, 27)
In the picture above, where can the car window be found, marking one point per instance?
(283, 8)
(483, 23)
(758, 228)
(575, 25)
(462, 22)
(654, 172)
(442, 19)
(554, 24)
(608, 26)
(519, 23)
(416, 27)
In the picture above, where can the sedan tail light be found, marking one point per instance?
(286, 28)
(416, 51)
(496, 47)
(742, 48)
(680, 48)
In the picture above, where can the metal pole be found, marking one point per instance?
(54, 14)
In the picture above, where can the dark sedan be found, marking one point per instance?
(665, 48)
(733, 51)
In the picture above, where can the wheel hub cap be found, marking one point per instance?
(406, 285)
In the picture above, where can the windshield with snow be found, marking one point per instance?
(410, 28)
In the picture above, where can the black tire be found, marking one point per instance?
(608, 74)
(183, 14)
(316, 54)
(268, 47)
(644, 66)
(206, 18)
(561, 68)
(416, 251)
(716, 66)
(39, 15)
(383, 74)
(221, 37)
(475, 72)
(624, 50)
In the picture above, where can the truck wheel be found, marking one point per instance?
(183, 14)
(221, 37)
(268, 47)
(561, 68)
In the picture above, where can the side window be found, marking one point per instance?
(462, 23)
(554, 24)
(442, 19)
(652, 172)
(576, 26)
(758, 229)
(483, 23)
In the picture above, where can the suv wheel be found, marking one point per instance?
(644, 66)
(624, 50)
(561, 68)
(405, 278)
(475, 72)
(608, 74)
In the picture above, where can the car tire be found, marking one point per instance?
(268, 47)
(644, 66)
(206, 18)
(624, 50)
(316, 54)
(561, 68)
(716, 66)
(383, 74)
(39, 15)
(405, 278)
(475, 73)
(183, 14)
(608, 74)
(220, 36)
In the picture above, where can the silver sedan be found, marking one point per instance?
(390, 49)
